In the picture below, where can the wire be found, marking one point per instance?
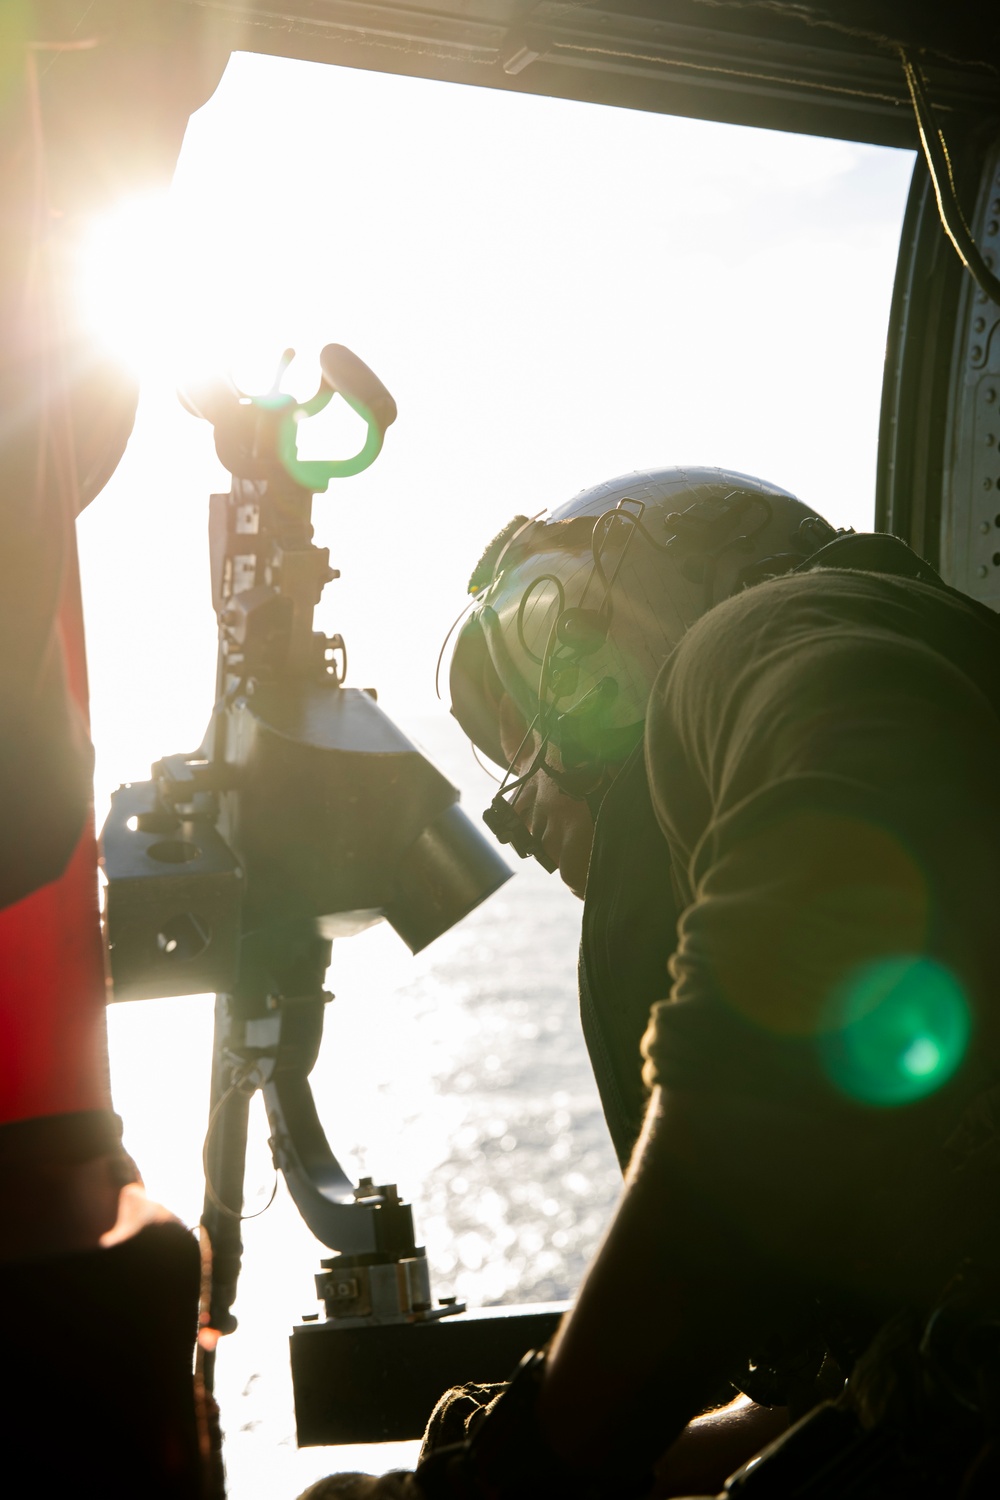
(542, 578)
(444, 644)
(943, 181)
(545, 669)
(513, 786)
(537, 764)
(554, 653)
(533, 769)
(607, 521)
(482, 764)
(241, 1077)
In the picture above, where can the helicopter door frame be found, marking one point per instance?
(938, 480)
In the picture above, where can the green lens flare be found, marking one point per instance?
(901, 1028)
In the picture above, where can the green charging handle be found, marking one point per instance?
(346, 375)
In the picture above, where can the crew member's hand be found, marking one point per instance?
(714, 1446)
(135, 1211)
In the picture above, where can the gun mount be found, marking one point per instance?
(305, 815)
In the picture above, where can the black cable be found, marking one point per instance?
(943, 181)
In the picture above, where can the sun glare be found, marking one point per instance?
(144, 293)
(127, 279)
(161, 286)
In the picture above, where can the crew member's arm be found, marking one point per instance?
(665, 1309)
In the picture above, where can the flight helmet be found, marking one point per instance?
(576, 610)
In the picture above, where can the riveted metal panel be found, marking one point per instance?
(970, 508)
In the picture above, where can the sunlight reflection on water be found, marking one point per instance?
(460, 1074)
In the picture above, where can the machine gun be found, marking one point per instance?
(305, 815)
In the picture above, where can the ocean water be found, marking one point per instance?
(460, 1074)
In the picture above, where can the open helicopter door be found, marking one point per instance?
(939, 443)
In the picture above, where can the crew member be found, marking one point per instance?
(823, 858)
(810, 832)
(99, 1286)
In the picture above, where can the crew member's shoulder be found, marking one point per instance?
(828, 598)
(794, 622)
(781, 608)
(842, 585)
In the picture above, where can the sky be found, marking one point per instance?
(555, 293)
